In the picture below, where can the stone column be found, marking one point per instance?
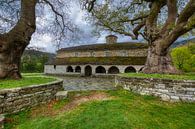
(73, 67)
(121, 69)
(82, 70)
(93, 70)
(2, 118)
(106, 67)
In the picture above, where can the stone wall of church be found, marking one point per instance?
(104, 53)
(64, 69)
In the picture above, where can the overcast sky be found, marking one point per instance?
(45, 42)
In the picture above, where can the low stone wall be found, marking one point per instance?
(166, 89)
(17, 99)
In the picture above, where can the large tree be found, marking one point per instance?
(159, 22)
(17, 25)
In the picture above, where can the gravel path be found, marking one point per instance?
(88, 83)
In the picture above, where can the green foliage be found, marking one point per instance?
(102, 60)
(191, 46)
(33, 63)
(125, 110)
(189, 76)
(27, 80)
(184, 57)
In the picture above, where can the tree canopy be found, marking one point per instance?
(159, 22)
(146, 18)
(20, 19)
(52, 17)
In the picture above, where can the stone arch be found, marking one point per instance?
(88, 70)
(141, 69)
(69, 69)
(130, 69)
(113, 70)
(78, 69)
(100, 69)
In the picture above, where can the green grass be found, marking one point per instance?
(125, 111)
(189, 76)
(27, 80)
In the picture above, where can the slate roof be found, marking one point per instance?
(115, 46)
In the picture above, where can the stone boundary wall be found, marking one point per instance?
(166, 89)
(17, 99)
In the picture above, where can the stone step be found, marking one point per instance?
(60, 95)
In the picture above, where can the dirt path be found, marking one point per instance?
(75, 101)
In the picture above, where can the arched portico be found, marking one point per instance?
(141, 69)
(100, 69)
(78, 69)
(113, 70)
(130, 69)
(69, 69)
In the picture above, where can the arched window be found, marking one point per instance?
(100, 69)
(130, 69)
(69, 69)
(113, 70)
(78, 69)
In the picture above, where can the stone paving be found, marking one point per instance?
(88, 83)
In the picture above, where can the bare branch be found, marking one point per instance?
(188, 11)
(172, 15)
(63, 26)
(138, 28)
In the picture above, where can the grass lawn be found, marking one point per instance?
(187, 76)
(27, 80)
(106, 110)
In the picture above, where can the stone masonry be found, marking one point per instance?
(166, 89)
(17, 99)
(99, 59)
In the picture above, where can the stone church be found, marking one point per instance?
(99, 59)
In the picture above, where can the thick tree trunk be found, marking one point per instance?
(13, 43)
(159, 60)
(10, 57)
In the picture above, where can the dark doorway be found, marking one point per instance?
(113, 70)
(78, 69)
(88, 71)
(69, 69)
(100, 69)
(130, 69)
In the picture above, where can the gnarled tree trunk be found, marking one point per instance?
(13, 43)
(159, 60)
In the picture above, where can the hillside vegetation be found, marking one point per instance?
(33, 61)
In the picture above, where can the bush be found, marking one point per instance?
(184, 58)
(33, 63)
